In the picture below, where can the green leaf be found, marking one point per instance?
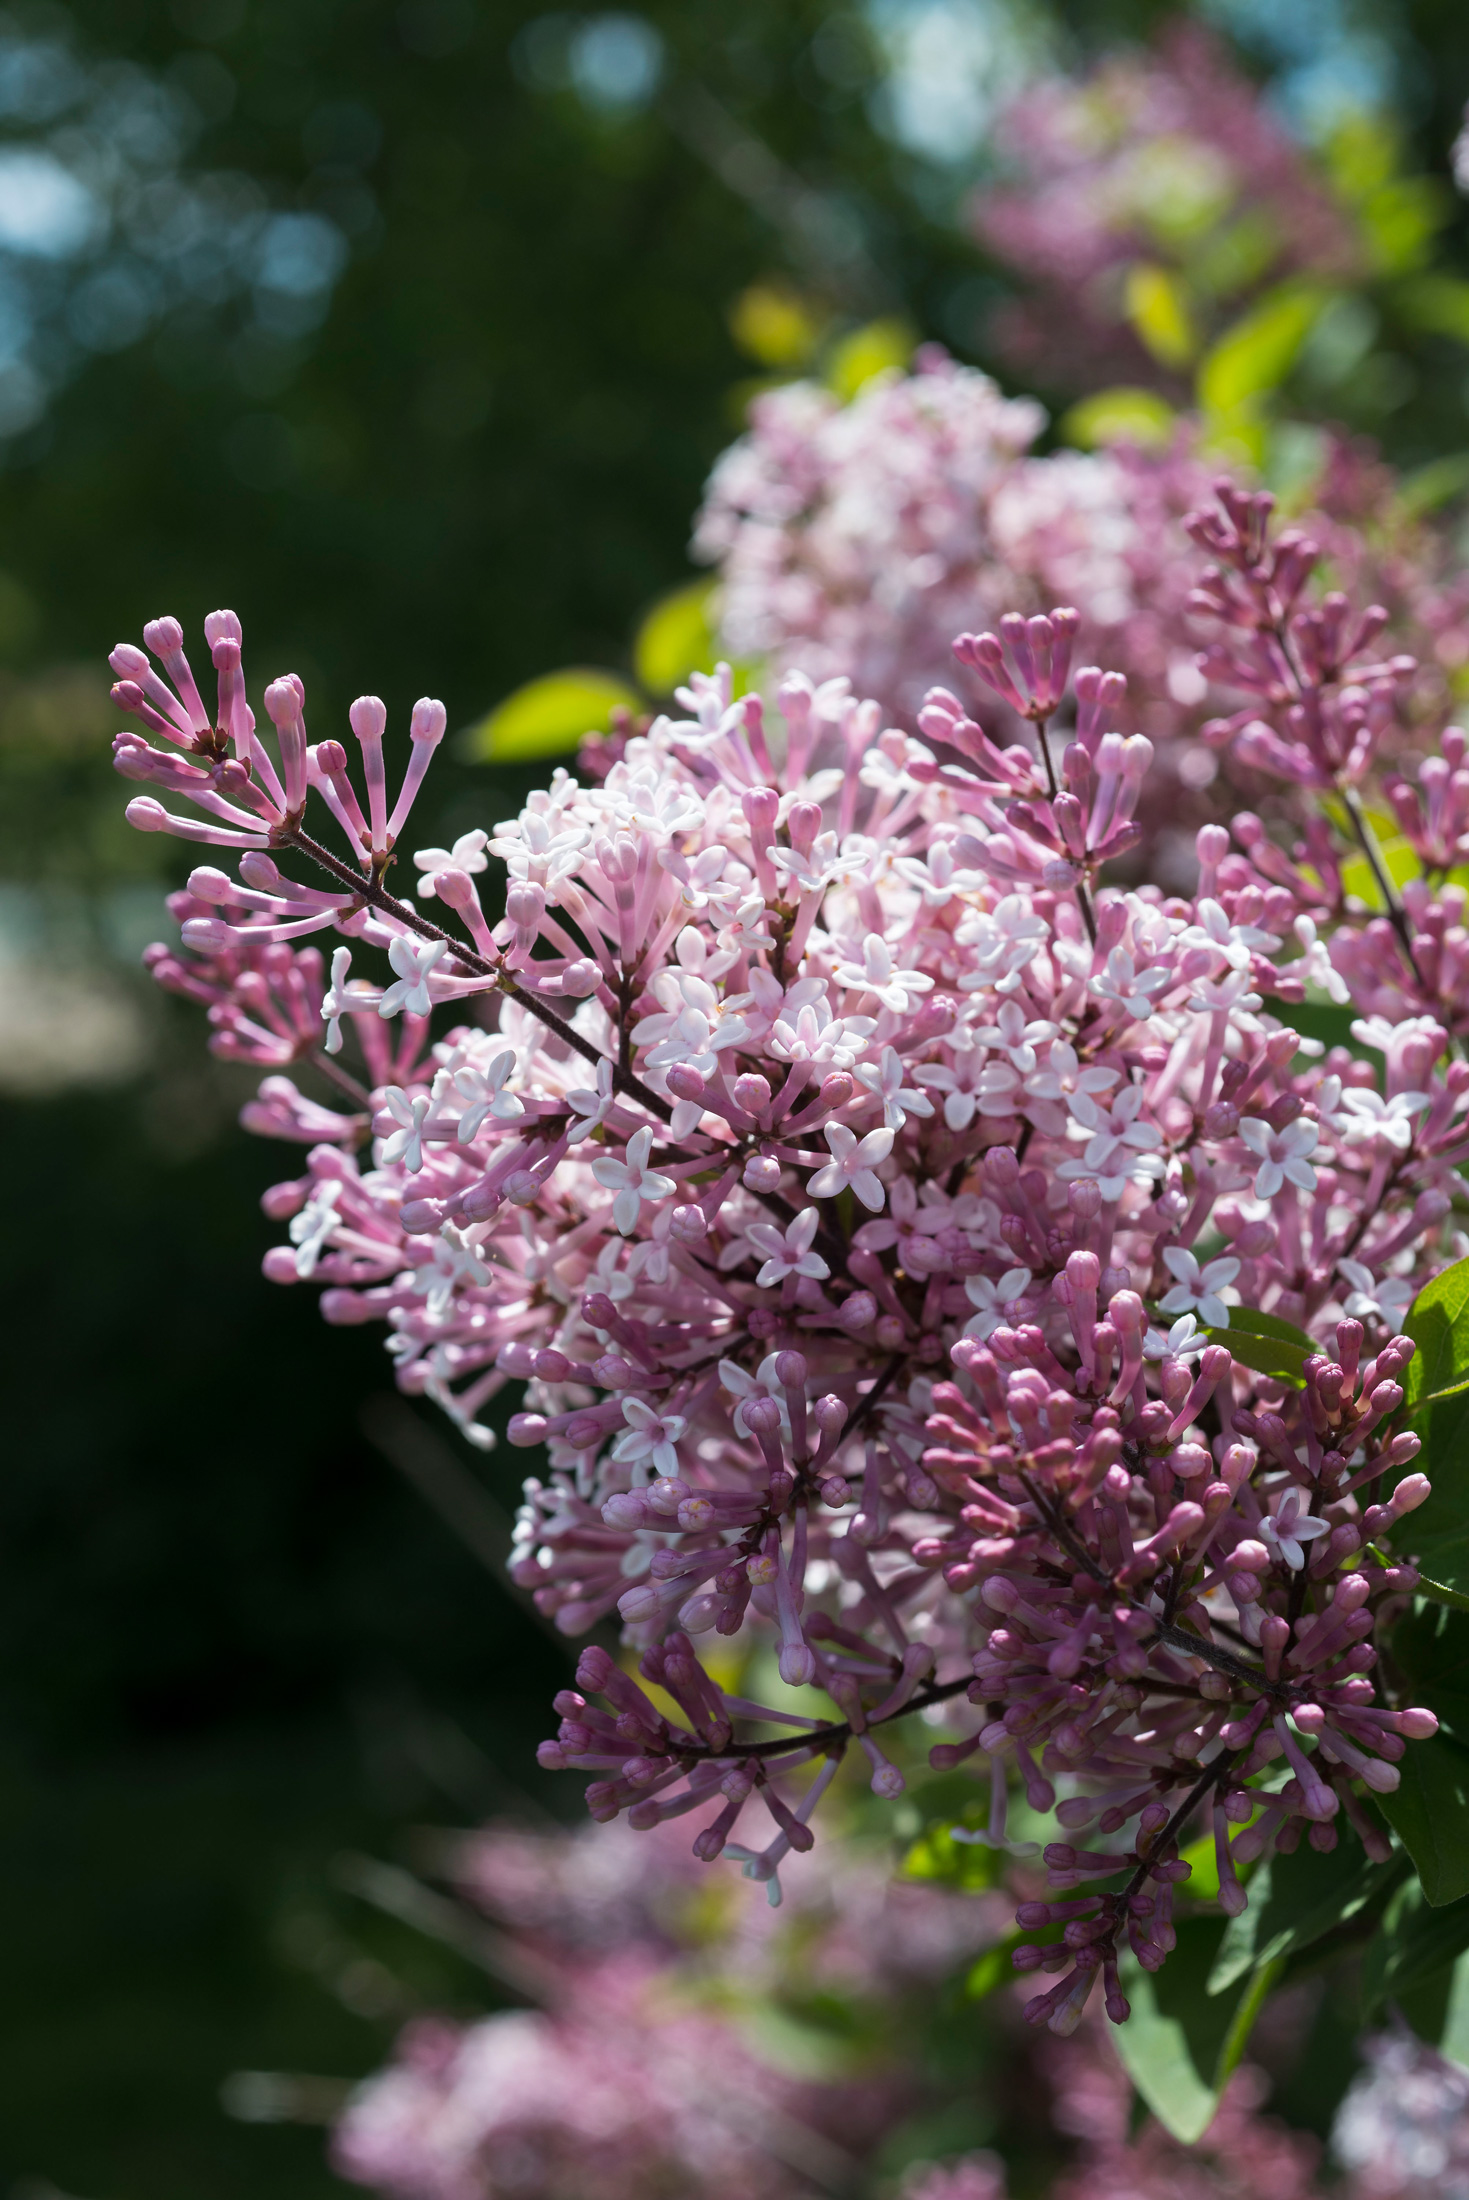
(1439, 1592)
(1432, 1647)
(1181, 2043)
(1438, 1323)
(879, 348)
(1429, 1812)
(1295, 1900)
(1428, 488)
(938, 1858)
(1400, 219)
(1254, 356)
(1120, 416)
(1157, 306)
(776, 325)
(1413, 1942)
(1266, 1343)
(676, 638)
(1438, 303)
(549, 716)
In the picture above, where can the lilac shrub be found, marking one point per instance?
(915, 1248)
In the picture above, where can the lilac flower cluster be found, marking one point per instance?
(1154, 157)
(876, 1205)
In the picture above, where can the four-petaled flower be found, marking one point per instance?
(590, 1108)
(1282, 1154)
(1367, 1119)
(486, 1094)
(414, 961)
(1131, 988)
(334, 1000)
(900, 990)
(788, 1253)
(885, 1081)
(1289, 1528)
(1184, 1341)
(1388, 1301)
(467, 854)
(995, 1304)
(1196, 1290)
(405, 1144)
(649, 1438)
(632, 1180)
(853, 1161)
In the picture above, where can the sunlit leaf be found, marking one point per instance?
(867, 352)
(549, 716)
(1432, 486)
(1120, 416)
(775, 325)
(1254, 356)
(1266, 1343)
(1157, 306)
(1399, 221)
(1438, 1323)
(1181, 2043)
(1429, 1812)
(676, 638)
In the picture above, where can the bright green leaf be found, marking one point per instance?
(866, 353)
(1438, 1323)
(1254, 356)
(1439, 1592)
(676, 638)
(938, 1858)
(775, 325)
(1453, 2040)
(1181, 2043)
(1120, 416)
(1266, 1343)
(549, 716)
(1361, 153)
(1157, 307)
(1294, 1900)
(1438, 303)
(1429, 1812)
(1399, 221)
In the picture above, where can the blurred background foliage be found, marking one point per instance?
(410, 328)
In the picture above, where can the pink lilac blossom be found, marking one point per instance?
(1123, 1560)
(1153, 156)
(1402, 2133)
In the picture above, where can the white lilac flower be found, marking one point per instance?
(885, 1081)
(632, 1180)
(995, 1304)
(853, 1161)
(467, 854)
(405, 1144)
(650, 1439)
(876, 973)
(1196, 1290)
(415, 961)
(1282, 1154)
(1184, 1341)
(1367, 1119)
(483, 1094)
(1387, 1302)
(788, 1252)
(1290, 1528)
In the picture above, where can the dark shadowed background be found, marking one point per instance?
(406, 331)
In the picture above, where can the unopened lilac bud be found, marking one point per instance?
(1410, 1494)
(1188, 1460)
(368, 718)
(761, 806)
(456, 888)
(526, 1430)
(830, 1413)
(790, 1368)
(685, 1082)
(836, 1491)
(858, 1312)
(628, 1510)
(552, 1365)
(1221, 1120)
(762, 1416)
(1084, 1199)
(752, 1092)
(259, 870)
(613, 1371)
(428, 721)
(837, 1089)
(687, 1225)
(525, 903)
(889, 1332)
(522, 1188)
(580, 979)
(761, 1173)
